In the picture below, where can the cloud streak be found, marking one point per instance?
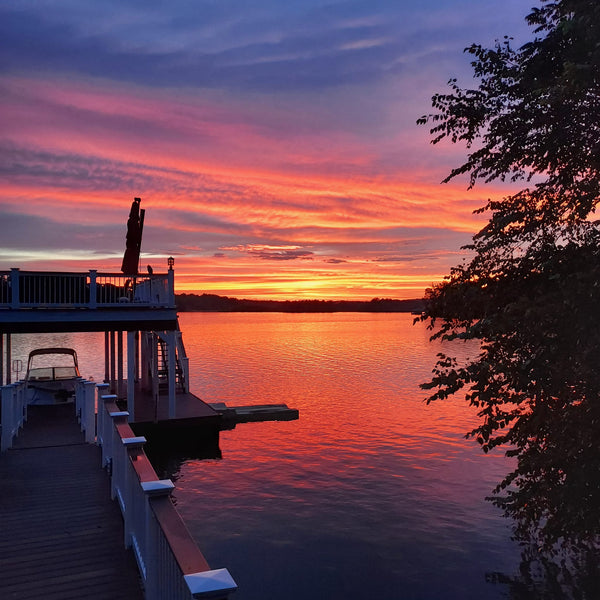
(275, 149)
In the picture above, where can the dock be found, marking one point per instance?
(253, 413)
(62, 535)
(83, 512)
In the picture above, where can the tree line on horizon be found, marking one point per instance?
(215, 303)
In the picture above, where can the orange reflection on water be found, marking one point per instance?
(369, 485)
(355, 380)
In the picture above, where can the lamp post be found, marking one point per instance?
(171, 262)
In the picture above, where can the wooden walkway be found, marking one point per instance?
(61, 536)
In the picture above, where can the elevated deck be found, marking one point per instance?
(62, 536)
(41, 302)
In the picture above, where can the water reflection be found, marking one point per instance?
(562, 574)
(370, 493)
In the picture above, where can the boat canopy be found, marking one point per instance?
(39, 351)
(47, 351)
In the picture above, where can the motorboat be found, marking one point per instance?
(51, 375)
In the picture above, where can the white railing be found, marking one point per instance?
(29, 289)
(14, 412)
(170, 563)
(85, 408)
(184, 361)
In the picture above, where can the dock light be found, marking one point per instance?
(171, 262)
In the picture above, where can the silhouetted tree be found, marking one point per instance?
(531, 292)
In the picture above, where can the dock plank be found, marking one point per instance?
(189, 407)
(61, 536)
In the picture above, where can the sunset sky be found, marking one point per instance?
(273, 143)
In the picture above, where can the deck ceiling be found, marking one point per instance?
(55, 320)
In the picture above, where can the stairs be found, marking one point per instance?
(162, 366)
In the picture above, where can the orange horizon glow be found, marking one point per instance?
(246, 214)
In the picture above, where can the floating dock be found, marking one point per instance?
(254, 413)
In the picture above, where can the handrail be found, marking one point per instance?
(50, 289)
(170, 563)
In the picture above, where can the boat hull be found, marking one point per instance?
(51, 392)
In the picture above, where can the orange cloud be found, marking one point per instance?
(248, 205)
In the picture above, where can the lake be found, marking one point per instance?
(370, 494)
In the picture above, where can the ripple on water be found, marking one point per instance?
(369, 485)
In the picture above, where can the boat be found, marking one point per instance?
(51, 380)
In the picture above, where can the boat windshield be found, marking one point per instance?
(52, 373)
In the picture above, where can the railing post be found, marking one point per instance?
(116, 451)
(171, 287)
(93, 302)
(79, 402)
(100, 389)
(107, 430)
(129, 481)
(88, 419)
(22, 401)
(153, 489)
(7, 417)
(14, 412)
(14, 286)
(185, 368)
(217, 583)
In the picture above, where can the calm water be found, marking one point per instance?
(370, 494)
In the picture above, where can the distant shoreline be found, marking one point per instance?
(214, 303)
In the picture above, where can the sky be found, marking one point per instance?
(273, 143)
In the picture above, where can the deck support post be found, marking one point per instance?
(120, 364)
(144, 361)
(8, 359)
(112, 362)
(154, 375)
(131, 374)
(138, 357)
(106, 357)
(172, 373)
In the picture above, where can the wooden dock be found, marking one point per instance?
(61, 536)
(64, 523)
(193, 431)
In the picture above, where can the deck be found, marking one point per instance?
(188, 407)
(193, 432)
(62, 535)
